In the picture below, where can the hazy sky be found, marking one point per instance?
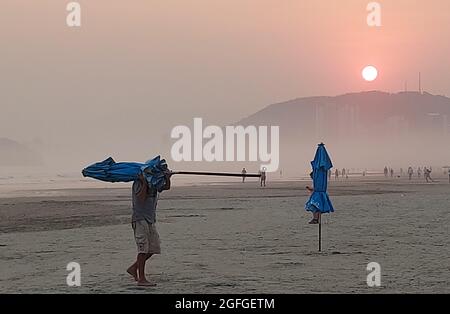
(136, 68)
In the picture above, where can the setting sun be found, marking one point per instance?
(369, 73)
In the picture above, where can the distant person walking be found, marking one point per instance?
(262, 179)
(448, 175)
(410, 172)
(336, 174)
(427, 174)
(385, 172)
(244, 172)
(392, 173)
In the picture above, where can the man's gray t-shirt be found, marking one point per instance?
(144, 202)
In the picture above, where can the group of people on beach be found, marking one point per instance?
(344, 173)
(426, 171)
(388, 172)
(262, 176)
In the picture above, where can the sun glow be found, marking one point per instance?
(369, 73)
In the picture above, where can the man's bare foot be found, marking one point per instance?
(146, 283)
(133, 272)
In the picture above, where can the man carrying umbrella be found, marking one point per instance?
(149, 179)
(145, 197)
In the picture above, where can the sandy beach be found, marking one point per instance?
(231, 238)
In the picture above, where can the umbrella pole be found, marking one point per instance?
(220, 174)
(320, 232)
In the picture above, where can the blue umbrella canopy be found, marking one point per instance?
(319, 200)
(154, 170)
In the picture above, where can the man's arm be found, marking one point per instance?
(142, 187)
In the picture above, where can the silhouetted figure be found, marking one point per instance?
(262, 178)
(343, 172)
(448, 175)
(336, 174)
(410, 172)
(427, 174)
(244, 172)
(392, 173)
(385, 172)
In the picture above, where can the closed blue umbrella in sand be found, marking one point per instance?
(319, 202)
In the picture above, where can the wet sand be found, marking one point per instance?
(231, 238)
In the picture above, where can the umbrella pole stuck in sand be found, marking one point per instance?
(320, 233)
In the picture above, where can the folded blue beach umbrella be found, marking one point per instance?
(110, 171)
(319, 200)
